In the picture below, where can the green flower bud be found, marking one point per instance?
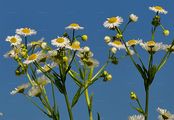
(133, 96)
(84, 37)
(166, 32)
(119, 36)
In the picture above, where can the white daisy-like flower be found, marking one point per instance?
(35, 91)
(11, 54)
(151, 46)
(164, 114)
(34, 57)
(25, 31)
(20, 89)
(47, 67)
(74, 26)
(74, 46)
(158, 9)
(133, 42)
(14, 40)
(14, 52)
(91, 63)
(133, 18)
(60, 42)
(36, 43)
(136, 117)
(168, 48)
(117, 44)
(113, 22)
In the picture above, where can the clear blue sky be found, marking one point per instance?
(49, 17)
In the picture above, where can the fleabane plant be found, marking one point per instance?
(44, 64)
(152, 46)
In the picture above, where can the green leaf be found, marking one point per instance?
(58, 83)
(151, 73)
(76, 97)
(142, 72)
(81, 74)
(74, 77)
(91, 102)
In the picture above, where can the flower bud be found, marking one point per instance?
(44, 45)
(166, 32)
(113, 50)
(107, 39)
(65, 59)
(86, 49)
(119, 36)
(133, 96)
(108, 77)
(84, 37)
(133, 18)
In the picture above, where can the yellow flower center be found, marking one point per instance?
(151, 43)
(32, 57)
(13, 40)
(75, 45)
(74, 25)
(116, 42)
(112, 20)
(158, 8)
(132, 42)
(26, 30)
(60, 40)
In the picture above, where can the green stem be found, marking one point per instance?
(88, 104)
(147, 102)
(68, 104)
(26, 42)
(126, 26)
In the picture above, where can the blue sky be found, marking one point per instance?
(111, 99)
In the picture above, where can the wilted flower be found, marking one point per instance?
(113, 22)
(35, 91)
(47, 67)
(60, 42)
(25, 31)
(136, 117)
(158, 9)
(164, 114)
(133, 18)
(74, 26)
(20, 89)
(41, 81)
(14, 40)
(90, 62)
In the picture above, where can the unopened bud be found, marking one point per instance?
(84, 37)
(166, 32)
(108, 77)
(65, 59)
(107, 39)
(119, 36)
(133, 96)
(113, 50)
